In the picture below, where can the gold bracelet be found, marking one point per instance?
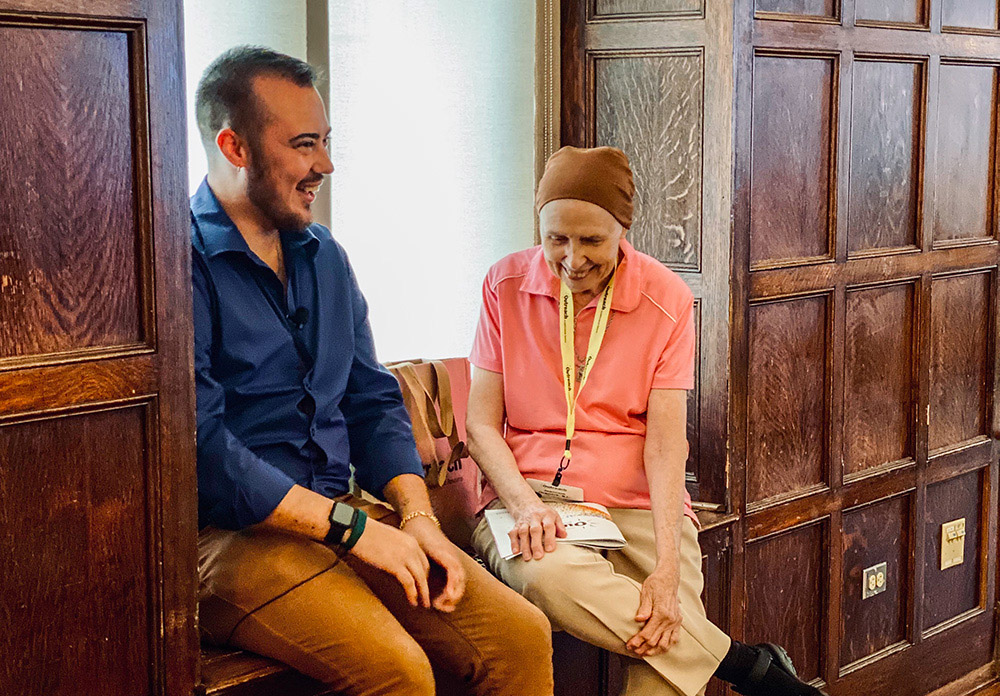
(419, 513)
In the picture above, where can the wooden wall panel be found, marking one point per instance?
(954, 591)
(909, 11)
(76, 546)
(885, 155)
(879, 388)
(787, 408)
(785, 594)
(960, 316)
(816, 8)
(966, 152)
(647, 7)
(67, 206)
(791, 173)
(978, 14)
(651, 107)
(878, 533)
(694, 405)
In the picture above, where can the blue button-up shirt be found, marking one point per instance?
(280, 400)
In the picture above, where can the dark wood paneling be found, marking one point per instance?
(76, 585)
(787, 408)
(790, 181)
(650, 106)
(979, 14)
(954, 591)
(647, 7)
(694, 411)
(67, 206)
(909, 11)
(878, 384)
(960, 314)
(885, 154)
(818, 8)
(785, 596)
(966, 152)
(95, 239)
(878, 533)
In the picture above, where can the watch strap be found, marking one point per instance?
(357, 528)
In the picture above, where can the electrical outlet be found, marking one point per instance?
(952, 543)
(875, 580)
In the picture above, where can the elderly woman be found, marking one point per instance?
(583, 355)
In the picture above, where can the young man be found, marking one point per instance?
(290, 395)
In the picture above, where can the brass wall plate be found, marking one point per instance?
(952, 544)
(874, 580)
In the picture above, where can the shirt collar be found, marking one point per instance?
(219, 234)
(539, 280)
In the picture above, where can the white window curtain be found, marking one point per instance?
(432, 109)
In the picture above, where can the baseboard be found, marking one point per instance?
(985, 681)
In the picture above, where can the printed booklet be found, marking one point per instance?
(587, 524)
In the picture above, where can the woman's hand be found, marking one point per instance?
(536, 528)
(659, 611)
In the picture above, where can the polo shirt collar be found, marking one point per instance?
(539, 279)
(220, 235)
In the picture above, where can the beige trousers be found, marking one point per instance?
(349, 625)
(594, 597)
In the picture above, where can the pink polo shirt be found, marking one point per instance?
(649, 344)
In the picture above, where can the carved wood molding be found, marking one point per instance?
(547, 81)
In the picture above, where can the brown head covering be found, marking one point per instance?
(598, 175)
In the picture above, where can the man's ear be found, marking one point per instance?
(232, 147)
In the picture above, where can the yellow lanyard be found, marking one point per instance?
(567, 336)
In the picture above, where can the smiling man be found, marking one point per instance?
(290, 397)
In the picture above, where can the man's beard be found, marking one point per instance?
(262, 193)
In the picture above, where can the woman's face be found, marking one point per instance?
(580, 242)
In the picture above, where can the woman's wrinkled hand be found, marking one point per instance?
(659, 612)
(536, 528)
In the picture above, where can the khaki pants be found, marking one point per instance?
(350, 625)
(594, 597)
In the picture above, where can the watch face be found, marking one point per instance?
(342, 514)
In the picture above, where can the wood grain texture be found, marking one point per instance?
(885, 154)
(879, 533)
(67, 207)
(960, 348)
(879, 388)
(977, 14)
(949, 593)
(790, 178)
(785, 596)
(647, 7)
(787, 400)
(75, 592)
(816, 8)
(651, 107)
(910, 11)
(966, 152)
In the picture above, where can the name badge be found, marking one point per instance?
(556, 494)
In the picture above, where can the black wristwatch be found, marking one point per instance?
(342, 520)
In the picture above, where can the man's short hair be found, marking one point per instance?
(225, 96)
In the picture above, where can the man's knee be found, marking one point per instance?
(401, 669)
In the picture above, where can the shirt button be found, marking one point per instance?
(312, 430)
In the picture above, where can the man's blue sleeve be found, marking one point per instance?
(236, 488)
(378, 425)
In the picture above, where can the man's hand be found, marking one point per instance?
(398, 554)
(536, 528)
(445, 554)
(659, 611)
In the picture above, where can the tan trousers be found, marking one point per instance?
(594, 597)
(349, 625)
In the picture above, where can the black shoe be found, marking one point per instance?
(770, 655)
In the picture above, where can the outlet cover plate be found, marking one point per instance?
(875, 580)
